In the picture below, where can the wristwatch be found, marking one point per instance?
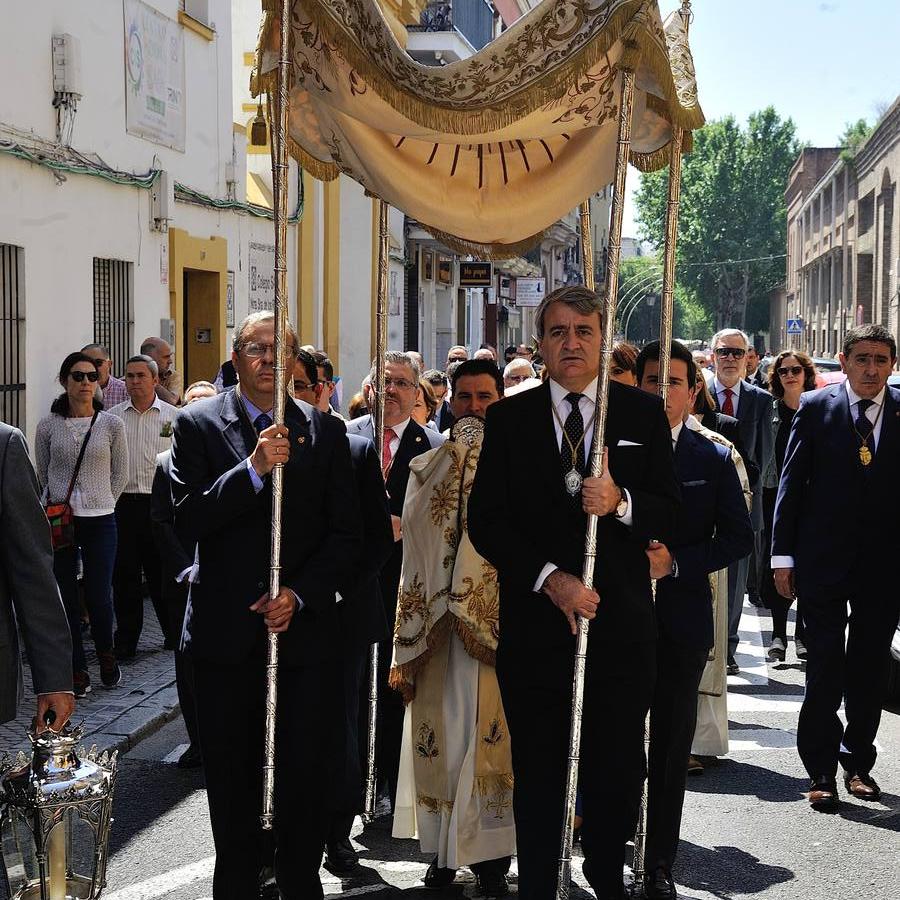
(622, 505)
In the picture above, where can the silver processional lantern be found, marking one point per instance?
(55, 817)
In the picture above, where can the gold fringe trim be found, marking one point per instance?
(402, 678)
(324, 171)
(491, 785)
(484, 251)
(473, 646)
(626, 24)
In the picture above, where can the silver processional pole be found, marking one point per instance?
(629, 64)
(378, 427)
(278, 120)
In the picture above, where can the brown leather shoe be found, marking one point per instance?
(694, 766)
(862, 786)
(823, 796)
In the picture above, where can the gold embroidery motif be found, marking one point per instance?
(495, 735)
(426, 743)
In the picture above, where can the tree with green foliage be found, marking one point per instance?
(732, 214)
(854, 136)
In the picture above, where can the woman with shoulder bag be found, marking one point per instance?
(82, 465)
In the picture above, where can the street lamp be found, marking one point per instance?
(55, 818)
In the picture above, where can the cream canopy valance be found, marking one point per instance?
(488, 152)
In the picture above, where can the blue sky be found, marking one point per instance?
(821, 63)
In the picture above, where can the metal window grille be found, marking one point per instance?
(114, 309)
(12, 336)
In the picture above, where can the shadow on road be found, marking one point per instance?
(725, 871)
(888, 819)
(746, 780)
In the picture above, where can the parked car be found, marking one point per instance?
(826, 365)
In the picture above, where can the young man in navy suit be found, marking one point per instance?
(712, 530)
(842, 456)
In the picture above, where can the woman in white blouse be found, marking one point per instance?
(101, 478)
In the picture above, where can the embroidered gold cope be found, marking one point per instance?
(448, 591)
(487, 152)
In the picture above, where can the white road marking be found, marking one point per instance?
(162, 885)
(175, 755)
(777, 703)
(751, 653)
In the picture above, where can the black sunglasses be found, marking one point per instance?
(736, 352)
(789, 370)
(80, 376)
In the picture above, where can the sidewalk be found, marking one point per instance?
(114, 719)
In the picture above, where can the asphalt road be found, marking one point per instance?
(747, 831)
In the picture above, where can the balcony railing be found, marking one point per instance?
(474, 19)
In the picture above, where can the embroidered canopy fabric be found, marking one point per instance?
(487, 152)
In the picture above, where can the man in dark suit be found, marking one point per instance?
(177, 560)
(29, 596)
(712, 530)
(224, 450)
(363, 623)
(541, 592)
(842, 455)
(752, 407)
(404, 439)
(755, 374)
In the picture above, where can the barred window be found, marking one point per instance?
(12, 335)
(114, 309)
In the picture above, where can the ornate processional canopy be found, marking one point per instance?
(489, 151)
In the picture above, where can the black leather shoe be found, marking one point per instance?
(732, 668)
(862, 786)
(659, 885)
(491, 884)
(823, 795)
(340, 857)
(436, 877)
(190, 759)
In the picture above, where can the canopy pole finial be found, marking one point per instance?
(686, 13)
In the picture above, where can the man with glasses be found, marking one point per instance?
(223, 454)
(752, 407)
(325, 377)
(457, 353)
(440, 384)
(114, 391)
(404, 439)
(842, 456)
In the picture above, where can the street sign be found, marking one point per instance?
(476, 274)
(794, 326)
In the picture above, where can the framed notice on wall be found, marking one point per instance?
(262, 277)
(445, 270)
(229, 301)
(428, 265)
(154, 76)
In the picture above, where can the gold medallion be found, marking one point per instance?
(865, 455)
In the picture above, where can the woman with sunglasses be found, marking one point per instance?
(792, 372)
(75, 416)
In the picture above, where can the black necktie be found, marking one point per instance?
(574, 428)
(262, 422)
(863, 425)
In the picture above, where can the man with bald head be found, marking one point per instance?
(160, 351)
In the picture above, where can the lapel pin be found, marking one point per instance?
(418, 439)
(301, 439)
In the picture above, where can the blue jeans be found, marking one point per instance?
(96, 537)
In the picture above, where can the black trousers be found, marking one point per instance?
(136, 551)
(175, 600)
(389, 730)
(618, 690)
(349, 791)
(855, 670)
(309, 751)
(673, 718)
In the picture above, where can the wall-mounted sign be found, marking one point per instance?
(164, 261)
(476, 274)
(262, 277)
(154, 76)
(445, 270)
(229, 300)
(203, 335)
(530, 291)
(394, 295)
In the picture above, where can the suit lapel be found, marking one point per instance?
(236, 425)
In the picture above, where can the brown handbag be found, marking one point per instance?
(59, 515)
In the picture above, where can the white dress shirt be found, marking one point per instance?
(873, 415)
(675, 432)
(586, 405)
(398, 435)
(720, 389)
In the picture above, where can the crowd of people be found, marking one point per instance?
(723, 491)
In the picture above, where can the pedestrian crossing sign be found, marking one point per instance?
(794, 326)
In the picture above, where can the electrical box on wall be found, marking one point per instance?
(66, 54)
(162, 201)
